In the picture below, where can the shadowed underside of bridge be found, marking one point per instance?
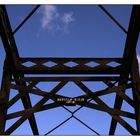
(24, 79)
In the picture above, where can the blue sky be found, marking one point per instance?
(84, 35)
(70, 31)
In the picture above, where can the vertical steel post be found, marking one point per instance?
(4, 96)
(136, 90)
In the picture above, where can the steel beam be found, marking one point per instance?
(136, 90)
(25, 98)
(120, 73)
(115, 117)
(70, 78)
(6, 34)
(130, 47)
(12, 55)
(39, 66)
(4, 96)
(26, 19)
(34, 109)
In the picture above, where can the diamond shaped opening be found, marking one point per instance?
(91, 64)
(50, 64)
(113, 64)
(71, 64)
(28, 64)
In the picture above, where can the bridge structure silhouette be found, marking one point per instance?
(118, 78)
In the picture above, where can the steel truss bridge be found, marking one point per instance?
(118, 79)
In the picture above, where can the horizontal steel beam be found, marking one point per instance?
(73, 78)
(70, 66)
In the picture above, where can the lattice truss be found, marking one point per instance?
(121, 79)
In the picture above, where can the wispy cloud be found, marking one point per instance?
(49, 15)
(67, 18)
(52, 19)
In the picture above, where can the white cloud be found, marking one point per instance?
(67, 18)
(49, 14)
(51, 18)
